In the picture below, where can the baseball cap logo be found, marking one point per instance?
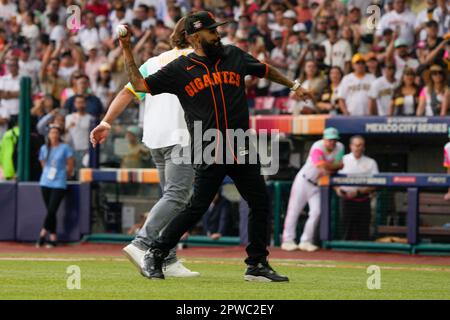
(198, 24)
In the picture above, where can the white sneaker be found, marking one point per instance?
(308, 246)
(177, 270)
(289, 246)
(136, 256)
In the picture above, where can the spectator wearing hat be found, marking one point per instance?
(328, 101)
(278, 60)
(398, 53)
(434, 98)
(57, 162)
(401, 20)
(136, 150)
(406, 96)
(382, 91)
(297, 49)
(8, 9)
(338, 51)
(436, 10)
(78, 126)
(325, 158)
(10, 87)
(289, 20)
(353, 93)
(355, 201)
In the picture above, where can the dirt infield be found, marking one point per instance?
(232, 252)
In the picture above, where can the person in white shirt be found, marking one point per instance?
(57, 32)
(437, 11)
(278, 60)
(89, 34)
(29, 67)
(382, 91)
(10, 87)
(339, 52)
(7, 9)
(78, 125)
(353, 92)
(165, 132)
(401, 20)
(398, 52)
(355, 201)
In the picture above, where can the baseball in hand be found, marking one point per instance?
(121, 30)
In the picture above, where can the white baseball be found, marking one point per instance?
(121, 30)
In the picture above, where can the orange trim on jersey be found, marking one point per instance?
(225, 111)
(215, 106)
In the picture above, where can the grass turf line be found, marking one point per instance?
(221, 279)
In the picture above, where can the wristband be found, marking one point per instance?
(296, 85)
(105, 124)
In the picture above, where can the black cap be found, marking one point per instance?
(199, 21)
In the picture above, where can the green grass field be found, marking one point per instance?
(39, 276)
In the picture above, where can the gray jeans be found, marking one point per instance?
(176, 181)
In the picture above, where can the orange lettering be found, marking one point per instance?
(198, 82)
(238, 80)
(225, 76)
(193, 87)
(217, 78)
(189, 91)
(232, 78)
(206, 80)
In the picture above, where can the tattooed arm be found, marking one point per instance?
(135, 77)
(275, 76)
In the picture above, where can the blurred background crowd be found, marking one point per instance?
(365, 57)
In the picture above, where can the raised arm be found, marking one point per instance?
(135, 77)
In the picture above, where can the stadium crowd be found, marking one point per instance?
(365, 57)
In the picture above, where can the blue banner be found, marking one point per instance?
(390, 125)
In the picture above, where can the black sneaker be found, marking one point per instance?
(40, 242)
(153, 263)
(263, 272)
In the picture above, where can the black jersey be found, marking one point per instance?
(212, 93)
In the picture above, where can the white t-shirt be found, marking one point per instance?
(355, 92)
(10, 83)
(337, 54)
(57, 33)
(401, 64)
(438, 16)
(8, 10)
(88, 36)
(363, 166)
(382, 91)
(404, 21)
(30, 68)
(31, 32)
(79, 134)
(164, 123)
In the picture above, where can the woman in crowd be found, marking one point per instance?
(328, 102)
(311, 79)
(406, 96)
(104, 88)
(57, 162)
(435, 96)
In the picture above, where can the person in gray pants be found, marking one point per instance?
(163, 127)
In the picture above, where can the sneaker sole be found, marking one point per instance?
(182, 276)
(260, 279)
(134, 262)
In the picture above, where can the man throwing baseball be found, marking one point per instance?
(210, 86)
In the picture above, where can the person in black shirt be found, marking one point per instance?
(210, 86)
